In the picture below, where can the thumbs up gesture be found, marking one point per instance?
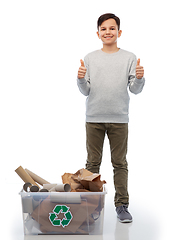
(139, 70)
(82, 70)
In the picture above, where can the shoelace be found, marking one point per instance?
(122, 209)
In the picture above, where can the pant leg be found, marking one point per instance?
(95, 134)
(118, 137)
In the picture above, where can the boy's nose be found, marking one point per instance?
(107, 30)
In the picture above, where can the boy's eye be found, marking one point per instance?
(104, 29)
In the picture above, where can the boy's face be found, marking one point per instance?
(108, 32)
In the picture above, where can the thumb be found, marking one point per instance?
(82, 63)
(138, 62)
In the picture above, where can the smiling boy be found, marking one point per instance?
(104, 77)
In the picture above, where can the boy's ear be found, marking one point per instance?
(98, 34)
(119, 33)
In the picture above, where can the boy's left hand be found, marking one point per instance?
(139, 70)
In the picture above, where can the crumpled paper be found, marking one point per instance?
(84, 181)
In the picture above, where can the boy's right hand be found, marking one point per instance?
(82, 70)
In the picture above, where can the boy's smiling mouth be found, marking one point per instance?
(107, 37)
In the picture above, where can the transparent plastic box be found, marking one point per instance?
(63, 212)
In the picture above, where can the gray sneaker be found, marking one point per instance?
(123, 214)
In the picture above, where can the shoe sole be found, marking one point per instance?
(125, 220)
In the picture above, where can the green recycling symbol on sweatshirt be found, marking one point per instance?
(54, 217)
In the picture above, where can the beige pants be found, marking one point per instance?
(118, 135)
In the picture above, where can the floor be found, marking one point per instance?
(144, 227)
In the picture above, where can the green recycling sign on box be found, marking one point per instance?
(54, 216)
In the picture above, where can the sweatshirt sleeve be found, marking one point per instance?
(84, 83)
(135, 85)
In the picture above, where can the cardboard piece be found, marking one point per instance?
(49, 186)
(36, 178)
(67, 178)
(63, 188)
(82, 215)
(27, 205)
(65, 198)
(25, 176)
(54, 187)
(26, 187)
(84, 180)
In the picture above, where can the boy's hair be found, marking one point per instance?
(107, 16)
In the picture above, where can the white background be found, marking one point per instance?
(42, 112)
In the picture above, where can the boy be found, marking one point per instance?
(104, 78)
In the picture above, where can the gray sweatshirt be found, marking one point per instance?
(106, 84)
